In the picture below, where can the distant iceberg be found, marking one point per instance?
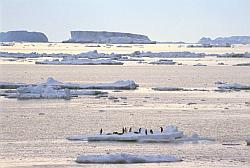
(22, 36)
(122, 158)
(226, 40)
(107, 37)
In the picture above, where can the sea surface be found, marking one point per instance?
(33, 132)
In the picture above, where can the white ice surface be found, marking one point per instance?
(123, 158)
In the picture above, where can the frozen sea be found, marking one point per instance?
(33, 132)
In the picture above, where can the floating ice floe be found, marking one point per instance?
(243, 64)
(199, 64)
(123, 158)
(184, 54)
(169, 134)
(167, 89)
(234, 86)
(77, 61)
(163, 62)
(234, 55)
(53, 89)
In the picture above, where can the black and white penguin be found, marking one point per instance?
(151, 131)
(130, 129)
(161, 129)
(146, 131)
(101, 131)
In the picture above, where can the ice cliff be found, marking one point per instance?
(107, 37)
(226, 40)
(22, 36)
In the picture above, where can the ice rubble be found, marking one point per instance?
(169, 134)
(53, 89)
(123, 158)
(234, 86)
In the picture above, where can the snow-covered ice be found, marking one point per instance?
(123, 158)
(169, 134)
(184, 54)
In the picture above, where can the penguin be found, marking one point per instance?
(130, 129)
(146, 131)
(139, 130)
(125, 130)
(161, 129)
(151, 132)
(101, 131)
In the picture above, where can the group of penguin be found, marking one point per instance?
(124, 130)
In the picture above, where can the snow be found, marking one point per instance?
(234, 86)
(169, 134)
(123, 158)
(163, 62)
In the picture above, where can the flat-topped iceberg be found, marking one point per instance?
(123, 158)
(107, 37)
(169, 134)
(23, 36)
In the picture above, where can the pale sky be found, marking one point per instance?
(161, 20)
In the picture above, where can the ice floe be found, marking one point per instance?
(77, 61)
(199, 64)
(184, 54)
(169, 134)
(53, 89)
(163, 62)
(243, 64)
(123, 158)
(234, 86)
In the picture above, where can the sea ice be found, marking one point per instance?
(123, 158)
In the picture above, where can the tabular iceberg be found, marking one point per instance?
(226, 40)
(107, 37)
(23, 36)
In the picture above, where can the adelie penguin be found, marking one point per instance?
(151, 131)
(146, 131)
(161, 129)
(130, 129)
(101, 131)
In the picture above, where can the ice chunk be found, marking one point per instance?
(123, 158)
(234, 86)
(167, 89)
(163, 62)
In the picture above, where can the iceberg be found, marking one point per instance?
(107, 37)
(123, 158)
(22, 36)
(226, 40)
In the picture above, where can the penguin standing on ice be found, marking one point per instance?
(161, 129)
(101, 131)
(146, 131)
(130, 129)
(151, 131)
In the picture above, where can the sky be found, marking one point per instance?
(160, 20)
